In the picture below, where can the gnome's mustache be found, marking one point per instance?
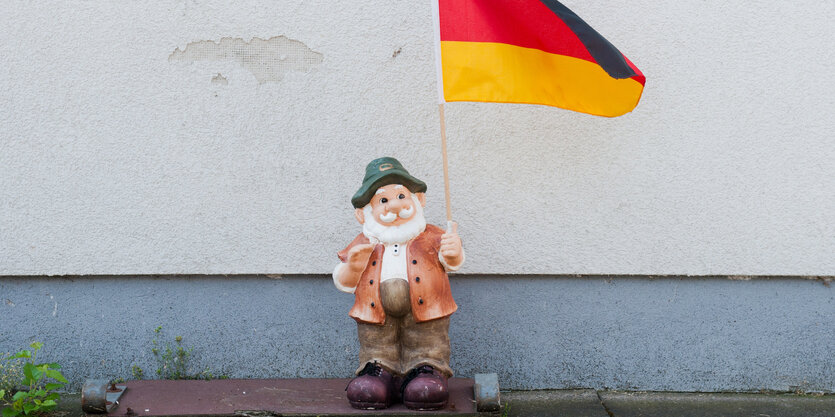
(404, 214)
(376, 230)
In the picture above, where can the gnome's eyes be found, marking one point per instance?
(384, 200)
(401, 196)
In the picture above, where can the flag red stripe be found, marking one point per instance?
(639, 76)
(525, 23)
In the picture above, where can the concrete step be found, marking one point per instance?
(591, 403)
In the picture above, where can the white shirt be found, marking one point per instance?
(394, 266)
(394, 262)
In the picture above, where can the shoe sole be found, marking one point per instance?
(424, 406)
(361, 405)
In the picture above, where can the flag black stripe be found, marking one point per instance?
(606, 55)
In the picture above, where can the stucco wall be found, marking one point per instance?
(130, 145)
(671, 334)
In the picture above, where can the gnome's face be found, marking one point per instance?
(392, 205)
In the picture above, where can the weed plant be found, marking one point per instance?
(173, 360)
(11, 374)
(37, 393)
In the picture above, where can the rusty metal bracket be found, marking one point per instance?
(99, 396)
(486, 392)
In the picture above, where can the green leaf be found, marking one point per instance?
(9, 412)
(28, 369)
(56, 375)
(36, 345)
(2, 393)
(21, 354)
(20, 394)
(32, 373)
(49, 403)
(54, 396)
(27, 408)
(53, 365)
(53, 386)
(27, 373)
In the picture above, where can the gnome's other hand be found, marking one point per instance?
(358, 257)
(451, 246)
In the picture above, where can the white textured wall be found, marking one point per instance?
(116, 160)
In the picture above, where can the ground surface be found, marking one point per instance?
(591, 403)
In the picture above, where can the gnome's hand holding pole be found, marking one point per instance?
(451, 248)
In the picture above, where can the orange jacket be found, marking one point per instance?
(429, 290)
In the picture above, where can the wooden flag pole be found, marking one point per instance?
(439, 73)
(446, 164)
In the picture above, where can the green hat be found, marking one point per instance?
(384, 171)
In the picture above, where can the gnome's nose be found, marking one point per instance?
(395, 206)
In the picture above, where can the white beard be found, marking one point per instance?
(374, 230)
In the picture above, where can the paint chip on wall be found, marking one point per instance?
(268, 60)
(220, 79)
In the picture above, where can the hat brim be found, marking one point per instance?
(393, 176)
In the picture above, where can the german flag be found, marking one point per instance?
(530, 51)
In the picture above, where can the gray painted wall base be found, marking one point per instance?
(625, 333)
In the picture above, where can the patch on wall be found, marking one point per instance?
(268, 60)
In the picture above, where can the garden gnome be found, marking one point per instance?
(397, 270)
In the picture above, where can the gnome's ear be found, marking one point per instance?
(422, 198)
(359, 215)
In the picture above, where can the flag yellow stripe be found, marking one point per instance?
(497, 72)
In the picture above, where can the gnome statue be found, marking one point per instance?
(397, 270)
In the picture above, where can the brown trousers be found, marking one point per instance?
(401, 344)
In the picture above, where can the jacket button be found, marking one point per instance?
(373, 263)
(414, 261)
(372, 303)
(371, 282)
(420, 300)
(417, 279)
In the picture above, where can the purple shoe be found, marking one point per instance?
(425, 389)
(371, 389)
